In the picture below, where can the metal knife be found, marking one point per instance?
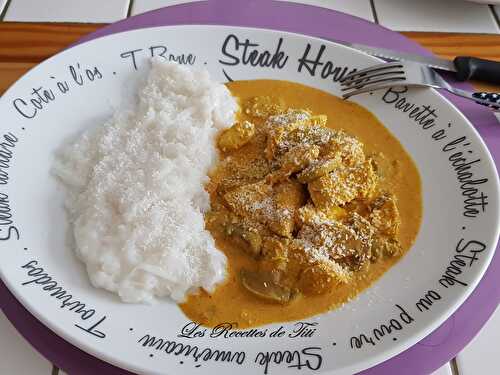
(465, 67)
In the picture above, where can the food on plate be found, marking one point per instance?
(256, 202)
(311, 201)
(301, 221)
(135, 188)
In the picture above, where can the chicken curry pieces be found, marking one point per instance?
(303, 207)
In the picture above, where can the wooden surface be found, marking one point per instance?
(23, 45)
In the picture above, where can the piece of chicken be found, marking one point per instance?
(344, 147)
(321, 277)
(263, 106)
(279, 128)
(252, 200)
(274, 206)
(385, 215)
(348, 242)
(236, 136)
(289, 196)
(342, 185)
(298, 158)
(307, 133)
(318, 168)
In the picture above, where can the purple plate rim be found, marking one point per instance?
(424, 357)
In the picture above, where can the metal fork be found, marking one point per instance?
(392, 74)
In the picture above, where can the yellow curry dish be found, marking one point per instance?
(312, 200)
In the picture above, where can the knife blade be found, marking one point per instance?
(387, 54)
(465, 67)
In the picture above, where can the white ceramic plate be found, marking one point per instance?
(454, 247)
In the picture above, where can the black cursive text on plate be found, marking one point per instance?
(157, 51)
(41, 96)
(458, 151)
(7, 228)
(38, 276)
(308, 358)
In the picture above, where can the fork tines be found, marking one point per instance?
(372, 78)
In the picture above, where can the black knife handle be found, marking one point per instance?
(474, 68)
(489, 96)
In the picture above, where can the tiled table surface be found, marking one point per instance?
(480, 356)
(403, 15)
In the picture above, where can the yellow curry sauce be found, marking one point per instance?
(231, 302)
